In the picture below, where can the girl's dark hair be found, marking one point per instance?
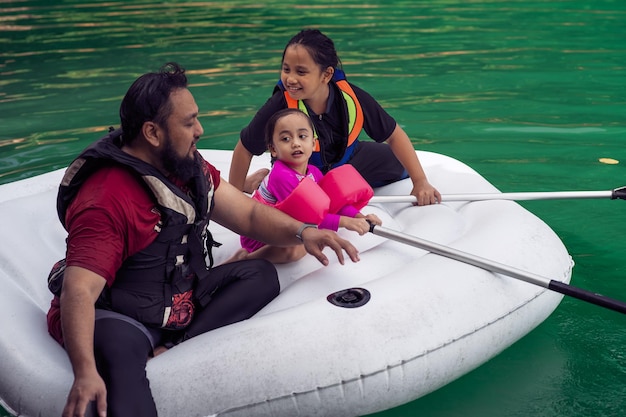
(271, 123)
(320, 46)
(147, 99)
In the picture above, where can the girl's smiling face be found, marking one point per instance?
(293, 141)
(302, 76)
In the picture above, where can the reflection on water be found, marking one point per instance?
(529, 93)
(447, 70)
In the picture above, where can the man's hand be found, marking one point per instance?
(84, 390)
(316, 240)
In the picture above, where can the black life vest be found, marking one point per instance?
(154, 286)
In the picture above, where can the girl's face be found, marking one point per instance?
(293, 141)
(302, 76)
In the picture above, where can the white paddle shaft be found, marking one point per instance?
(500, 196)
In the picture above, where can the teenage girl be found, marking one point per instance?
(311, 79)
(290, 140)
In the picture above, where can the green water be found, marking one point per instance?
(529, 93)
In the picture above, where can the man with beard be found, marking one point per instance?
(138, 277)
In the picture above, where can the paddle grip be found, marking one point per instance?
(619, 193)
(594, 298)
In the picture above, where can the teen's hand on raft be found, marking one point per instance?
(425, 193)
(315, 240)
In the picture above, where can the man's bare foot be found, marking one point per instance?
(158, 350)
(253, 180)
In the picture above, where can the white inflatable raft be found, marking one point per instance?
(429, 320)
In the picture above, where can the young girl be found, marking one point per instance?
(311, 79)
(290, 140)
